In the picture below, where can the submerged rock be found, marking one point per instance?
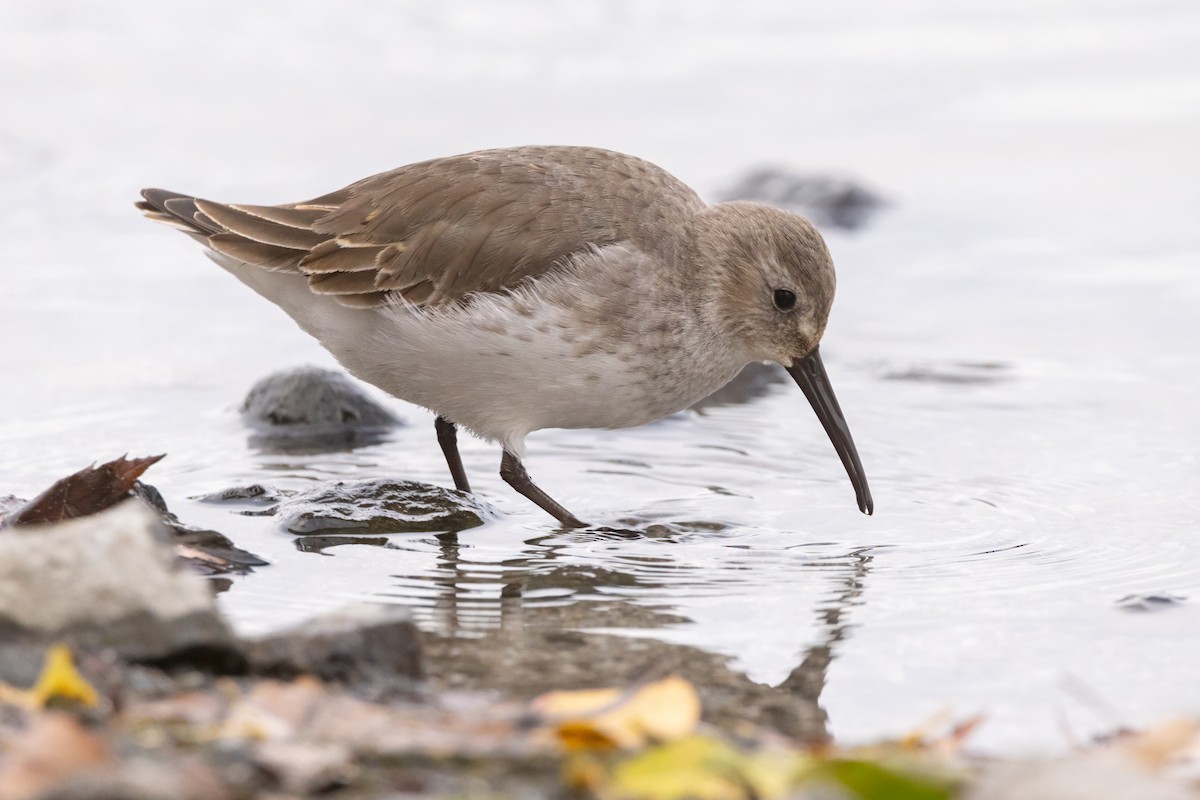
(381, 506)
(1150, 603)
(826, 200)
(371, 647)
(252, 494)
(314, 410)
(108, 581)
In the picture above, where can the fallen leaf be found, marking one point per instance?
(611, 719)
(58, 681)
(700, 768)
(870, 781)
(88, 491)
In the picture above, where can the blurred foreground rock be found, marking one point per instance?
(827, 201)
(309, 409)
(375, 648)
(108, 581)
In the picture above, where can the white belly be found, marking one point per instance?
(564, 356)
(503, 374)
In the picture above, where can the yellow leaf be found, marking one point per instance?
(701, 768)
(61, 681)
(609, 719)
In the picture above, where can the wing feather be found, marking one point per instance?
(440, 230)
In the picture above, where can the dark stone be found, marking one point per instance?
(310, 409)
(372, 648)
(826, 200)
(317, 543)
(219, 555)
(380, 507)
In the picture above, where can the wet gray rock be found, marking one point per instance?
(108, 581)
(310, 409)
(253, 494)
(374, 648)
(827, 201)
(379, 507)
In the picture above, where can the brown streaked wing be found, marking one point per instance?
(438, 230)
(485, 221)
(267, 256)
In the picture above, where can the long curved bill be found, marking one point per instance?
(809, 374)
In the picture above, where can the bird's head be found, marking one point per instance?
(771, 282)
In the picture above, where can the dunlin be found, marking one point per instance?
(537, 287)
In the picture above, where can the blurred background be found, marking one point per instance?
(1016, 339)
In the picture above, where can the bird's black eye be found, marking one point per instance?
(785, 299)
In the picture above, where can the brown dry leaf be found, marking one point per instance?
(52, 749)
(88, 491)
(608, 719)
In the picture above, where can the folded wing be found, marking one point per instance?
(432, 233)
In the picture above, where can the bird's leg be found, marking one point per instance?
(447, 435)
(514, 475)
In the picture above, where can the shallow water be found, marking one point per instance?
(1016, 341)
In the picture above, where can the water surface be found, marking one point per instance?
(1016, 340)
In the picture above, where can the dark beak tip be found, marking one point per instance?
(809, 374)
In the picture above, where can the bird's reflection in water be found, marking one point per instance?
(522, 625)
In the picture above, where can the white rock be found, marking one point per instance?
(105, 580)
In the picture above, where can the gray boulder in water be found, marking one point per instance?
(314, 410)
(826, 200)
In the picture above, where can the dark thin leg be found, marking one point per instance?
(447, 435)
(515, 476)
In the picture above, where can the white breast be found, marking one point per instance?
(587, 348)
